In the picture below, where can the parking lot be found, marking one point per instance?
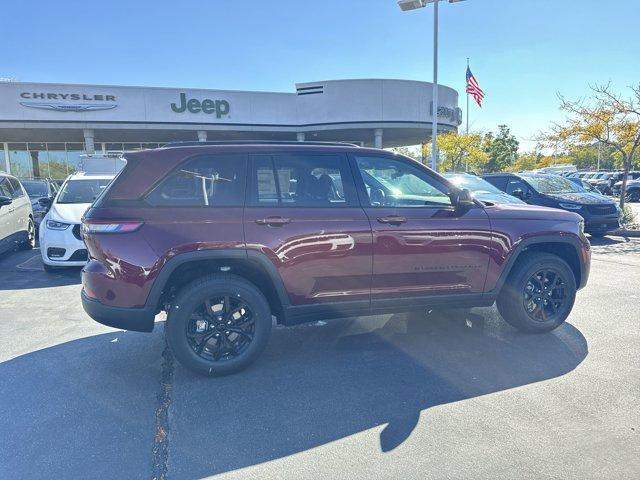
(386, 397)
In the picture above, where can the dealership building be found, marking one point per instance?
(45, 127)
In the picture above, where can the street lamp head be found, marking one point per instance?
(414, 4)
(411, 4)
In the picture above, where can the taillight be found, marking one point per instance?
(125, 226)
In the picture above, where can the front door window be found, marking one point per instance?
(390, 183)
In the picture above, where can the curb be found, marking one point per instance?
(626, 233)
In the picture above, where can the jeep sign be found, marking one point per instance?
(193, 105)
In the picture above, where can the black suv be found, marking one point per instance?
(601, 214)
(40, 189)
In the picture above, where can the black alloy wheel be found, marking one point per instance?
(222, 328)
(539, 293)
(218, 324)
(544, 295)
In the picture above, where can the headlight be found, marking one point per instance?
(53, 225)
(570, 206)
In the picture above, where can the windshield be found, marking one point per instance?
(552, 184)
(82, 191)
(35, 189)
(472, 183)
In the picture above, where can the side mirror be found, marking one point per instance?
(45, 202)
(462, 199)
(5, 201)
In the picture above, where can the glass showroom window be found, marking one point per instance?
(20, 160)
(57, 154)
(74, 150)
(39, 159)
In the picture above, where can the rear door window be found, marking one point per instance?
(302, 180)
(205, 181)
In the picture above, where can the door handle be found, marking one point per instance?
(392, 220)
(273, 221)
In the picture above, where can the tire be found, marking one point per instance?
(597, 234)
(30, 241)
(190, 307)
(522, 285)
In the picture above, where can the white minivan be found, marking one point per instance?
(16, 217)
(60, 242)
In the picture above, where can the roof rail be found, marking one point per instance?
(256, 142)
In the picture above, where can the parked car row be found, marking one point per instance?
(600, 213)
(31, 209)
(610, 182)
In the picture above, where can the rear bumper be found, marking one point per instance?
(134, 319)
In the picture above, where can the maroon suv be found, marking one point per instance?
(223, 237)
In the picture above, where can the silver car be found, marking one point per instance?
(17, 228)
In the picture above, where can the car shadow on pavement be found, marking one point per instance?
(316, 385)
(86, 408)
(81, 409)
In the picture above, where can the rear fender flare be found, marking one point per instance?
(217, 254)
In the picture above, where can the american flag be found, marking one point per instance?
(473, 88)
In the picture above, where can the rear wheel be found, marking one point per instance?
(539, 293)
(218, 325)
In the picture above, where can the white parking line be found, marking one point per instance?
(33, 264)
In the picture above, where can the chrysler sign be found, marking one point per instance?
(68, 102)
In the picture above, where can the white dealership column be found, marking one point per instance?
(89, 145)
(377, 133)
(202, 135)
(6, 158)
(300, 136)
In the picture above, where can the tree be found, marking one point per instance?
(501, 150)
(407, 152)
(585, 157)
(456, 152)
(526, 161)
(604, 117)
(459, 151)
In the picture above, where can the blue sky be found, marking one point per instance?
(522, 51)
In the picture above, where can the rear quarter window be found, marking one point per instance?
(204, 181)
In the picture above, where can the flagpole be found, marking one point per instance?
(467, 100)
(466, 167)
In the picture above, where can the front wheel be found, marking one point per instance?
(30, 241)
(218, 325)
(538, 294)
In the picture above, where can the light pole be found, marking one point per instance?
(413, 5)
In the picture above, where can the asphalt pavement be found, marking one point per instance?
(390, 396)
